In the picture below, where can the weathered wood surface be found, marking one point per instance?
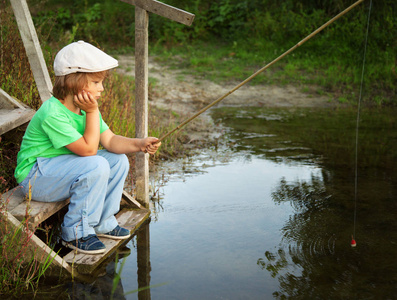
(32, 47)
(129, 200)
(141, 102)
(38, 211)
(86, 263)
(12, 118)
(12, 113)
(164, 10)
(12, 198)
(7, 102)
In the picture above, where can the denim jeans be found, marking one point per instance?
(94, 185)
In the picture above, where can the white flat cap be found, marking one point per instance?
(82, 57)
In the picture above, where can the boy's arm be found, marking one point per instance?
(123, 145)
(88, 144)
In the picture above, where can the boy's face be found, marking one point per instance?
(94, 86)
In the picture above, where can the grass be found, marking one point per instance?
(306, 66)
(21, 267)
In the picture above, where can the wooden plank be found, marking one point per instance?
(7, 102)
(85, 263)
(141, 102)
(13, 198)
(164, 10)
(12, 118)
(38, 211)
(32, 47)
(127, 198)
(16, 203)
(132, 219)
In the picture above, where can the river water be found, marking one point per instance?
(268, 212)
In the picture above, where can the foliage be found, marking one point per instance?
(21, 269)
(15, 78)
(9, 147)
(106, 22)
(118, 112)
(254, 31)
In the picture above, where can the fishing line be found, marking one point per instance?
(353, 242)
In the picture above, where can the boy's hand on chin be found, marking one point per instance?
(85, 101)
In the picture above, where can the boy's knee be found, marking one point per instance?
(124, 162)
(122, 166)
(120, 161)
(100, 166)
(94, 169)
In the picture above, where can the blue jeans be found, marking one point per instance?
(94, 185)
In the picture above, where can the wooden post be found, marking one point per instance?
(141, 81)
(142, 7)
(32, 47)
(141, 102)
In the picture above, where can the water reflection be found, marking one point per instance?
(108, 283)
(101, 288)
(143, 262)
(314, 259)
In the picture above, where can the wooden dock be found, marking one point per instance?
(71, 264)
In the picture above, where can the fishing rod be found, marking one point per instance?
(261, 70)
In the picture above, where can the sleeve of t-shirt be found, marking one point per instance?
(103, 125)
(60, 136)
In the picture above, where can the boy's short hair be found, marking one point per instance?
(74, 83)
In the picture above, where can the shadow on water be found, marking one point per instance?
(315, 238)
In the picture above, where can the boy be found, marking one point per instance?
(59, 156)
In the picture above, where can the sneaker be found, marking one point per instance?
(88, 245)
(118, 233)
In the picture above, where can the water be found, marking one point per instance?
(268, 213)
(219, 224)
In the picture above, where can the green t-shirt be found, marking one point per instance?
(50, 130)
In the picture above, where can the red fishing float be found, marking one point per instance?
(353, 242)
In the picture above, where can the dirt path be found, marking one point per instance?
(179, 91)
(186, 94)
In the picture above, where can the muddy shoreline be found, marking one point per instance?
(186, 94)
